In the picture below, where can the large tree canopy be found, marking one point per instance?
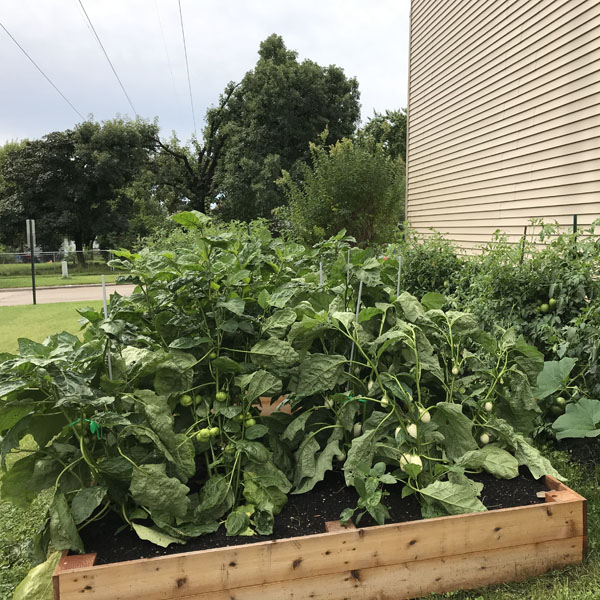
(267, 123)
(72, 181)
(389, 130)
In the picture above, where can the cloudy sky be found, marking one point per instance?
(367, 38)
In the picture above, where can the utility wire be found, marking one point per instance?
(107, 58)
(187, 66)
(42, 72)
(162, 31)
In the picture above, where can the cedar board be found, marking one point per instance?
(396, 561)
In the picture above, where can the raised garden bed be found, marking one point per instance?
(400, 560)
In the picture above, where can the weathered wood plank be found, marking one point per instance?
(178, 576)
(69, 562)
(416, 579)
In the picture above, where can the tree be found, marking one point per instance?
(189, 172)
(12, 232)
(352, 185)
(265, 125)
(389, 130)
(71, 181)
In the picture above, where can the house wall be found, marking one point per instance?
(504, 115)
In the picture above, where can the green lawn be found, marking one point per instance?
(44, 280)
(38, 322)
(53, 268)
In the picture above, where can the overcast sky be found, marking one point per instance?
(367, 38)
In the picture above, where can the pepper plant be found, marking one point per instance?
(155, 414)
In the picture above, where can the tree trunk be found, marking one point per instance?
(79, 249)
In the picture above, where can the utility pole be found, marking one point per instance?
(30, 224)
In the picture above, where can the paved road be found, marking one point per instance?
(83, 293)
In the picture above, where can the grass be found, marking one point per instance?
(50, 280)
(38, 322)
(53, 268)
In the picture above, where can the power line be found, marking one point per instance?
(107, 58)
(42, 72)
(187, 66)
(162, 31)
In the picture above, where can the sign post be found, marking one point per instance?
(30, 224)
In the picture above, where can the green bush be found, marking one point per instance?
(352, 185)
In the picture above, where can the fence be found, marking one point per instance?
(15, 264)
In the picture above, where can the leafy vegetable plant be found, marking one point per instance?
(155, 414)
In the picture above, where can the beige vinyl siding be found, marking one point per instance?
(504, 116)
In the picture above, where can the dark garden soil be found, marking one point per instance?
(304, 514)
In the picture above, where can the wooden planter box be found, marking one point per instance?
(399, 561)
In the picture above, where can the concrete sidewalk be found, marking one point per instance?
(47, 295)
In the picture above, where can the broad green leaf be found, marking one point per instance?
(235, 305)
(175, 374)
(413, 311)
(37, 584)
(274, 353)
(268, 498)
(237, 522)
(347, 412)
(7, 387)
(518, 406)
(306, 460)
(264, 299)
(85, 502)
(255, 432)
(260, 383)
(191, 219)
(453, 498)
(184, 455)
(456, 429)
(153, 488)
(15, 484)
(462, 324)
(224, 364)
(322, 465)
(524, 452)
(360, 455)
(264, 521)
(320, 373)
(31, 348)
(216, 498)
(255, 451)
(277, 324)
(159, 416)
(268, 475)
(581, 420)
(63, 531)
(529, 359)
(433, 300)
(293, 432)
(369, 276)
(153, 535)
(185, 343)
(539, 465)
(494, 460)
(366, 314)
(344, 317)
(11, 415)
(553, 377)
